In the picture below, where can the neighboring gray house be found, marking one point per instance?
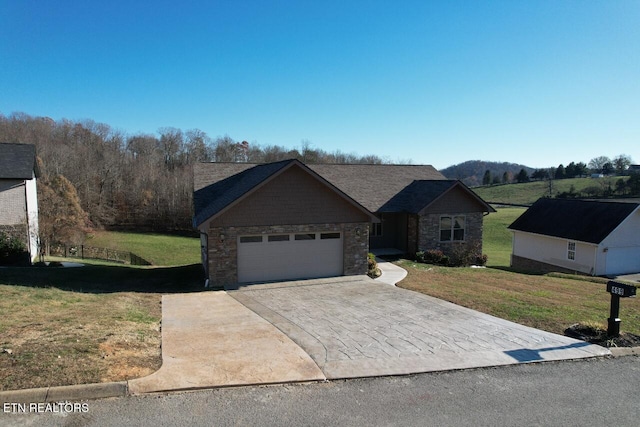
(18, 196)
(600, 238)
(288, 220)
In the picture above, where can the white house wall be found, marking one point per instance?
(553, 250)
(621, 249)
(32, 217)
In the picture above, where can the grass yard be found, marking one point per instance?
(158, 249)
(496, 238)
(549, 303)
(97, 323)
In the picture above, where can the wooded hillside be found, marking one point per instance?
(142, 181)
(472, 172)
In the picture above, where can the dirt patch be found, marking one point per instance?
(599, 336)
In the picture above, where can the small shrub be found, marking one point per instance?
(432, 256)
(10, 245)
(464, 255)
(12, 251)
(373, 270)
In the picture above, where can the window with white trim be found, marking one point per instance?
(452, 228)
(571, 251)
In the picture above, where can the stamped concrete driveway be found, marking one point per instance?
(358, 327)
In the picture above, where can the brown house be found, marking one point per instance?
(288, 220)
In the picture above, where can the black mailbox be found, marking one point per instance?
(620, 289)
(617, 291)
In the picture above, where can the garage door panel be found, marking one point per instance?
(623, 260)
(289, 259)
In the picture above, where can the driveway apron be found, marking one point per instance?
(210, 340)
(357, 327)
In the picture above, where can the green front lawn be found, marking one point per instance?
(549, 303)
(496, 238)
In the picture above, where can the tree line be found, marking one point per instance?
(94, 176)
(598, 165)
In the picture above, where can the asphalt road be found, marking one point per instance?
(573, 393)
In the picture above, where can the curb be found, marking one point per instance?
(121, 389)
(624, 351)
(65, 393)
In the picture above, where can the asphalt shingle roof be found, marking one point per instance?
(370, 185)
(211, 199)
(415, 196)
(580, 220)
(17, 161)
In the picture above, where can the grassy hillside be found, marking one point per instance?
(159, 249)
(527, 193)
(496, 238)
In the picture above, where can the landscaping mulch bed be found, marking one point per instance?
(595, 335)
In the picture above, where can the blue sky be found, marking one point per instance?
(537, 82)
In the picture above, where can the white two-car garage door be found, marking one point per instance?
(289, 256)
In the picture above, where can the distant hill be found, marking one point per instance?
(472, 171)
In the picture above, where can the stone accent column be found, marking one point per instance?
(356, 248)
(223, 256)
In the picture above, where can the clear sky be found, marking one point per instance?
(435, 82)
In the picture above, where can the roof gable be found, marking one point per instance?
(418, 196)
(213, 200)
(370, 185)
(581, 220)
(17, 161)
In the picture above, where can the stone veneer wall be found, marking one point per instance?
(223, 253)
(429, 226)
(533, 266)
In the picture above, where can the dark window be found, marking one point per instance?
(250, 239)
(309, 236)
(278, 238)
(376, 229)
(330, 236)
(571, 251)
(452, 228)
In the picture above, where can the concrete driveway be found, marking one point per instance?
(343, 327)
(358, 327)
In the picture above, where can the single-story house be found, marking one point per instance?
(288, 220)
(18, 196)
(600, 238)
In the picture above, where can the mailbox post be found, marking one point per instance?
(617, 291)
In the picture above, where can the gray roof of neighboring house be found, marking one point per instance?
(17, 161)
(421, 193)
(211, 199)
(581, 220)
(370, 185)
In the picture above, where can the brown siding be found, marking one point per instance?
(457, 200)
(293, 197)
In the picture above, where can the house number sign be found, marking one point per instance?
(620, 289)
